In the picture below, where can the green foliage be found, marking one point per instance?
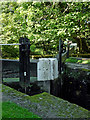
(10, 52)
(35, 50)
(32, 48)
(44, 23)
(11, 110)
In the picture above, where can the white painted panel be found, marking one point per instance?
(54, 68)
(43, 70)
(47, 69)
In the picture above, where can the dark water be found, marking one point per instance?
(33, 90)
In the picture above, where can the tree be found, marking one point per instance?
(44, 23)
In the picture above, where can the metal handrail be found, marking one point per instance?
(10, 44)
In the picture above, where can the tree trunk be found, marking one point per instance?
(81, 42)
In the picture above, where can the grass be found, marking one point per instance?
(0, 109)
(75, 60)
(12, 110)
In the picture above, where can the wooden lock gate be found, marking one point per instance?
(24, 61)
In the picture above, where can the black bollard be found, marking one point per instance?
(24, 62)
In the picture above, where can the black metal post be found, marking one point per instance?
(1, 78)
(60, 55)
(24, 62)
(68, 50)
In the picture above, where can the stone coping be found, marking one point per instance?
(45, 105)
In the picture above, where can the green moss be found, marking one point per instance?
(79, 61)
(75, 60)
(88, 70)
(72, 60)
(45, 102)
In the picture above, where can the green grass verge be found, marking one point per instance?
(0, 109)
(11, 110)
(74, 60)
